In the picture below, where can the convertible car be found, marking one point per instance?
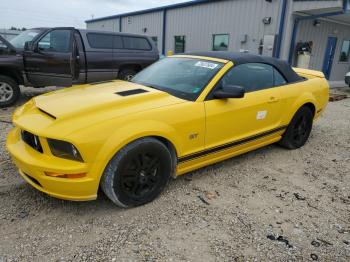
(179, 114)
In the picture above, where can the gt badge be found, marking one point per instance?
(261, 115)
(193, 136)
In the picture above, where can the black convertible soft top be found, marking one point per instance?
(244, 58)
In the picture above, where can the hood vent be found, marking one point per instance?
(46, 113)
(131, 92)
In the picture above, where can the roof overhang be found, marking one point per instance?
(341, 16)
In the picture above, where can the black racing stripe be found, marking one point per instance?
(229, 145)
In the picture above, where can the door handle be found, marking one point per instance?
(273, 100)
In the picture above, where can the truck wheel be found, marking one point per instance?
(127, 74)
(138, 173)
(9, 91)
(298, 130)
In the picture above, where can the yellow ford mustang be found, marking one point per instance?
(182, 113)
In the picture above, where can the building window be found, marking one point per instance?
(180, 42)
(155, 40)
(345, 51)
(220, 42)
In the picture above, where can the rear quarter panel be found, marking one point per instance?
(314, 89)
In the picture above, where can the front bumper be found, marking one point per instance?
(32, 166)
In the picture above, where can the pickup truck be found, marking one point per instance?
(64, 56)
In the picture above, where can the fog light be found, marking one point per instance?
(59, 175)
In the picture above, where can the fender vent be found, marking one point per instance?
(131, 92)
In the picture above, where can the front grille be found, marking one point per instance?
(31, 140)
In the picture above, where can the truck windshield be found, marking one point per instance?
(19, 41)
(179, 76)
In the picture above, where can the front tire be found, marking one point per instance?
(138, 173)
(127, 74)
(9, 91)
(298, 130)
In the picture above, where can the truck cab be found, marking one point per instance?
(64, 56)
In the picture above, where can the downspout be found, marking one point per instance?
(298, 19)
(120, 24)
(164, 31)
(281, 29)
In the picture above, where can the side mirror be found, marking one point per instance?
(229, 91)
(28, 46)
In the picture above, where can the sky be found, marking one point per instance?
(50, 13)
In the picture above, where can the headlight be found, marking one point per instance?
(64, 149)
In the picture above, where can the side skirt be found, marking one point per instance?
(223, 152)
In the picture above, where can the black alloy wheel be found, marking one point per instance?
(138, 173)
(299, 129)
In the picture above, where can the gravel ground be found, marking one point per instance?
(268, 205)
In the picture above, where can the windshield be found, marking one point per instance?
(19, 41)
(182, 77)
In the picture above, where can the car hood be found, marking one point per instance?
(118, 97)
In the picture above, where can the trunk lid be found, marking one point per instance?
(308, 73)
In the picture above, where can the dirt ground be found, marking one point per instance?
(268, 205)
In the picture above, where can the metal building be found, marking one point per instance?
(9, 34)
(308, 33)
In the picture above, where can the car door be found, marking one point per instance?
(50, 62)
(233, 124)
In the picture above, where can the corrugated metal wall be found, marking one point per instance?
(235, 17)
(153, 22)
(105, 25)
(308, 32)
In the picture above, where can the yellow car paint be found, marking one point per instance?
(99, 123)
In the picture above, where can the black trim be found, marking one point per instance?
(229, 145)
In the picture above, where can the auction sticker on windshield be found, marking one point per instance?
(206, 65)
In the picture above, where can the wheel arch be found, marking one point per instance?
(307, 100)
(13, 74)
(135, 66)
(132, 132)
(311, 106)
(171, 149)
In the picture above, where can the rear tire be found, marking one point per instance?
(298, 130)
(127, 74)
(138, 173)
(9, 91)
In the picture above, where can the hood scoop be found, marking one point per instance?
(46, 113)
(131, 92)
